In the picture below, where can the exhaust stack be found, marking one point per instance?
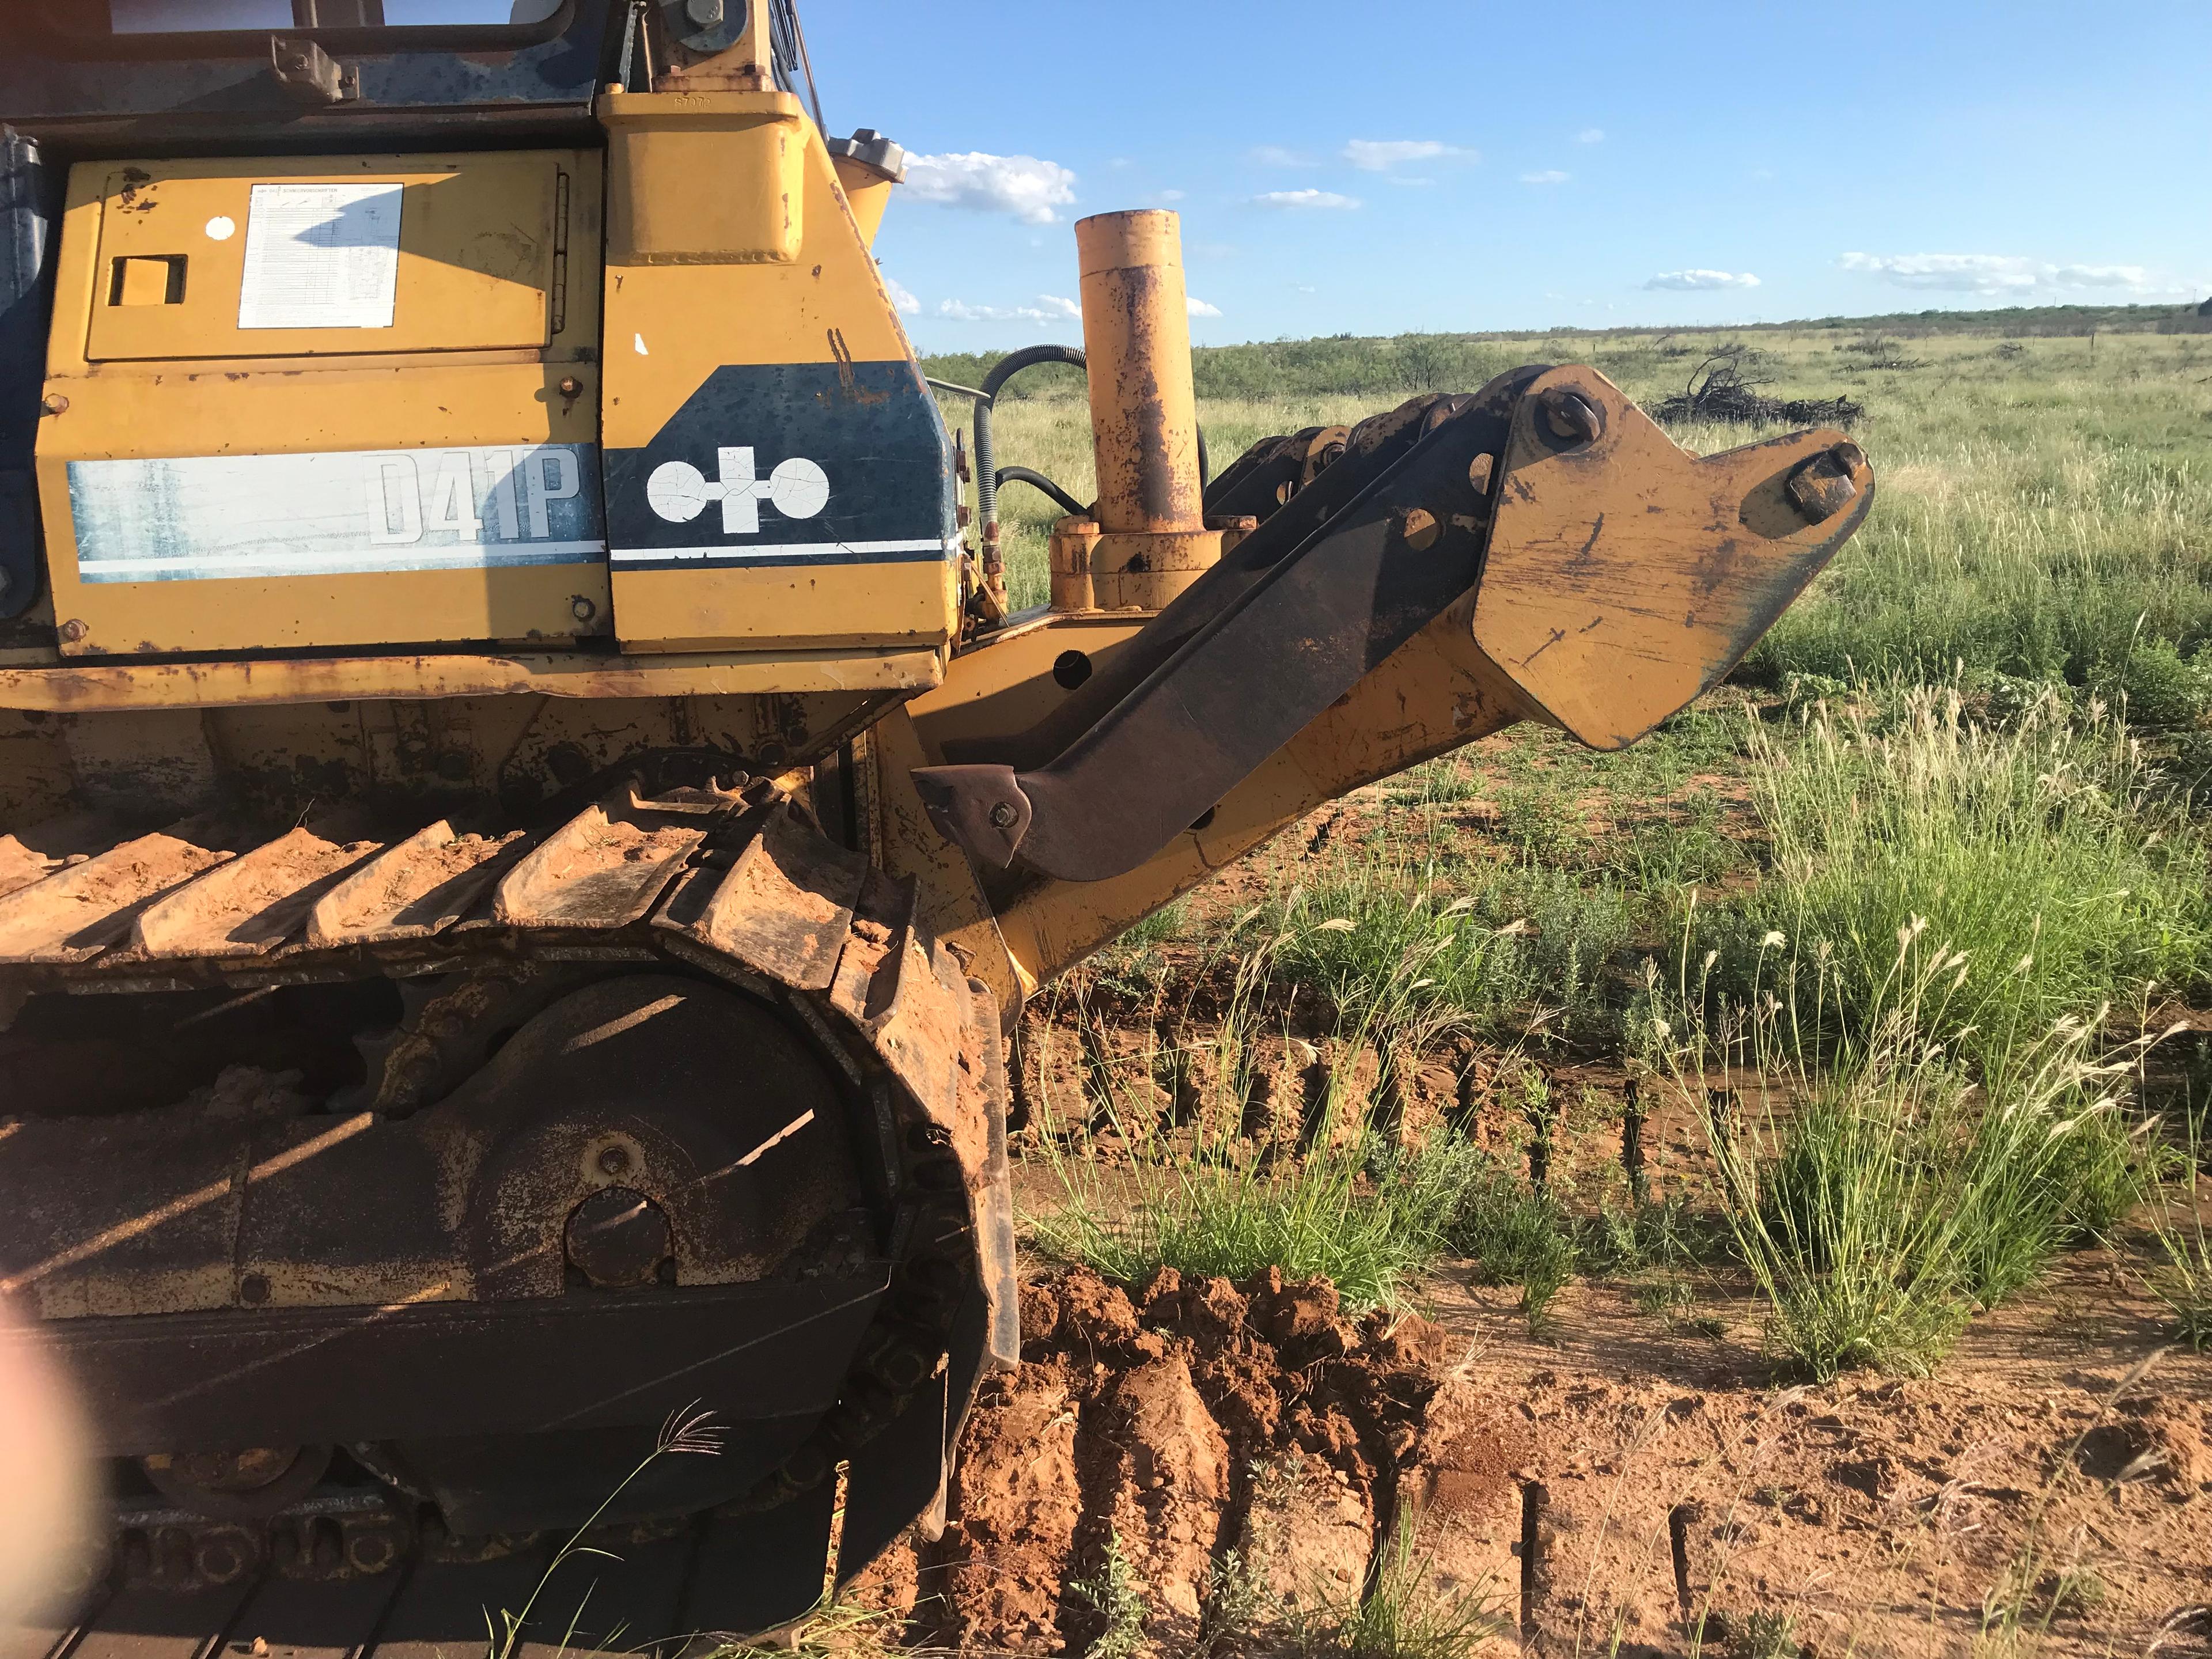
(1152, 542)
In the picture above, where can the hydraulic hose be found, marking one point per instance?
(988, 475)
(987, 478)
(1037, 480)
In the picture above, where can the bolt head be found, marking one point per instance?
(1823, 486)
(614, 1161)
(1003, 816)
(570, 386)
(583, 610)
(1570, 416)
(71, 631)
(369, 1551)
(54, 403)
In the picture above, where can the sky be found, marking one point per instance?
(1397, 165)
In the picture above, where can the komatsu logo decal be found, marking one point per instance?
(679, 492)
(798, 489)
(789, 463)
(212, 517)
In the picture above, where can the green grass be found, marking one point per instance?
(1979, 728)
(1501, 947)
(1403, 1613)
(2048, 857)
(1353, 1204)
(2182, 1222)
(2038, 513)
(1371, 1231)
(1878, 1189)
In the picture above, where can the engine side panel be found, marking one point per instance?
(317, 401)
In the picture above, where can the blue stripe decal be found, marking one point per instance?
(217, 517)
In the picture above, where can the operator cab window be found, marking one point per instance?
(221, 16)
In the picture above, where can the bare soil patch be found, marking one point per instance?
(1250, 1453)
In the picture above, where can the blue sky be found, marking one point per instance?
(1412, 164)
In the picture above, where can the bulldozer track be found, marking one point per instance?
(687, 1591)
(740, 886)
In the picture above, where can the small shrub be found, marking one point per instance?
(1113, 1593)
(1765, 1635)
(1518, 1235)
(1538, 818)
(2157, 686)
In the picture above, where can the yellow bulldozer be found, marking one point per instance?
(527, 821)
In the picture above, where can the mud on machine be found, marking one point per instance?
(527, 818)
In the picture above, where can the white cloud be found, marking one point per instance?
(1590, 136)
(902, 298)
(1304, 198)
(1172, 195)
(1380, 155)
(1697, 278)
(1275, 155)
(1548, 176)
(2100, 277)
(1199, 308)
(1991, 273)
(1023, 185)
(1048, 308)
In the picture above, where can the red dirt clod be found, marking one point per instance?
(1094, 1315)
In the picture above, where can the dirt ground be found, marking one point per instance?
(1623, 1486)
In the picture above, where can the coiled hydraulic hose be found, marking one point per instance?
(987, 477)
(988, 474)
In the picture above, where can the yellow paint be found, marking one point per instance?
(1625, 577)
(1144, 414)
(802, 606)
(477, 243)
(318, 679)
(704, 178)
(1006, 685)
(480, 249)
(867, 195)
(671, 324)
(1136, 338)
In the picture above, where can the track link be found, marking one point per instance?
(740, 887)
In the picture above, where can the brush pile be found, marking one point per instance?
(1725, 387)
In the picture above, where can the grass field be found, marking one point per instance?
(2041, 499)
(1895, 916)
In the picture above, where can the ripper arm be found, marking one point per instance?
(1614, 576)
